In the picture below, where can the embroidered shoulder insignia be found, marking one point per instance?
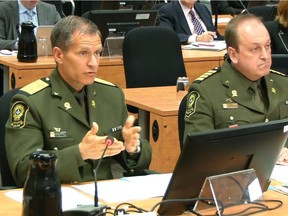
(277, 72)
(191, 103)
(103, 81)
(207, 74)
(35, 87)
(19, 110)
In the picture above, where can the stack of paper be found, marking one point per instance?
(214, 45)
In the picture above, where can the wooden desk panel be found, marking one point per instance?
(10, 207)
(160, 117)
(196, 63)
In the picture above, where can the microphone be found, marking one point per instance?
(108, 141)
(96, 209)
(245, 8)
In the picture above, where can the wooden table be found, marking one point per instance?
(17, 74)
(10, 207)
(158, 117)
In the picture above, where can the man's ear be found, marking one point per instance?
(233, 55)
(58, 55)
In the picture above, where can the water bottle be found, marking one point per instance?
(42, 188)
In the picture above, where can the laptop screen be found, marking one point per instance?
(43, 33)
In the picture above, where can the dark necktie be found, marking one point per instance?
(196, 23)
(30, 15)
(257, 96)
(80, 97)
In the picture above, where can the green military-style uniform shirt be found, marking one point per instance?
(46, 115)
(221, 98)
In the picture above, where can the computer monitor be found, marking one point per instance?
(119, 22)
(280, 63)
(222, 151)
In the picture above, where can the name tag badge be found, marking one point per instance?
(230, 106)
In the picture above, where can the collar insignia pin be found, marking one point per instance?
(93, 103)
(67, 105)
(234, 93)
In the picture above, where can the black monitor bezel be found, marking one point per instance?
(102, 17)
(204, 148)
(280, 63)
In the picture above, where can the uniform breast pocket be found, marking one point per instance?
(229, 117)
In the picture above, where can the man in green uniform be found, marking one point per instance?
(225, 97)
(72, 113)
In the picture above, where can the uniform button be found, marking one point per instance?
(132, 170)
(266, 120)
(231, 118)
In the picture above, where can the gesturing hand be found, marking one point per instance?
(92, 146)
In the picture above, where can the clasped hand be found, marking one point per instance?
(92, 145)
(207, 36)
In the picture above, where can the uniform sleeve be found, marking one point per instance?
(136, 163)
(23, 136)
(199, 114)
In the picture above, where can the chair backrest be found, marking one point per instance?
(181, 121)
(266, 13)
(59, 4)
(6, 176)
(152, 56)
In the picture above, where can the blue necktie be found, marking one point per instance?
(30, 15)
(196, 23)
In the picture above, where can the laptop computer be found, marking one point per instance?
(41, 33)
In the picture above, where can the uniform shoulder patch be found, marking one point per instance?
(103, 82)
(19, 110)
(191, 103)
(277, 72)
(35, 87)
(207, 74)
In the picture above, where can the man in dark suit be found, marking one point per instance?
(177, 16)
(13, 13)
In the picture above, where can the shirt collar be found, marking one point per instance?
(23, 9)
(185, 9)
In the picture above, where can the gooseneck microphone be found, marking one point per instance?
(96, 209)
(108, 141)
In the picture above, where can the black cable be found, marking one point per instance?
(262, 207)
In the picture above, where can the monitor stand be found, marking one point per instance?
(113, 46)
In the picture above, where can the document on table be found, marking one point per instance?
(71, 198)
(214, 45)
(129, 188)
(280, 175)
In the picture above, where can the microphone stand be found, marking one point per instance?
(96, 209)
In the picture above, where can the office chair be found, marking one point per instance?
(6, 176)
(181, 121)
(59, 4)
(152, 56)
(266, 13)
